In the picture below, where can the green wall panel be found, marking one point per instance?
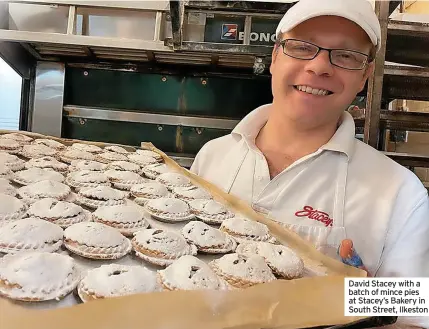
(147, 92)
(128, 133)
(123, 90)
(192, 141)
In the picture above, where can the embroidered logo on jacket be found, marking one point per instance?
(314, 214)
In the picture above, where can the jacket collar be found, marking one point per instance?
(343, 140)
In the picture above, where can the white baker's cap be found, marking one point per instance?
(359, 11)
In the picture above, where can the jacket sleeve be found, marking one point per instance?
(406, 250)
(198, 163)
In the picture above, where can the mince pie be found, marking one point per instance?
(210, 211)
(11, 161)
(172, 180)
(116, 149)
(86, 147)
(148, 191)
(10, 146)
(124, 180)
(38, 276)
(71, 154)
(243, 230)
(96, 241)
(47, 163)
(141, 160)
(242, 271)
(190, 193)
(34, 175)
(115, 280)
(190, 273)
(282, 260)
(150, 153)
(161, 247)
(124, 166)
(30, 234)
(152, 171)
(77, 165)
(62, 213)
(6, 187)
(128, 219)
(18, 137)
(49, 143)
(86, 178)
(208, 239)
(44, 189)
(11, 208)
(107, 157)
(94, 197)
(169, 210)
(37, 151)
(5, 172)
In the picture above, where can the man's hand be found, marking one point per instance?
(349, 256)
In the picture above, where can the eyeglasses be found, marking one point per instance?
(346, 59)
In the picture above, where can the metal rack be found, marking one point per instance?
(68, 63)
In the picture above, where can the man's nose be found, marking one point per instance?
(321, 64)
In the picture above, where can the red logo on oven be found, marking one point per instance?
(311, 213)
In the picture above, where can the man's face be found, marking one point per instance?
(311, 110)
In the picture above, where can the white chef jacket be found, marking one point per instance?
(346, 189)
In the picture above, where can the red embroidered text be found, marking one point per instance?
(311, 213)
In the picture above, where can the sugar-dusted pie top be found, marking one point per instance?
(35, 174)
(38, 150)
(88, 176)
(150, 188)
(9, 143)
(142, 160)
(149, 153)
(168, 242)
(120, 213)
(112, 156)
(123, 165)
(88, 165)
(192, 192)
(9, 158)
(245, 227)
(120, 280)
(76, 154)
(17, 137)
(169, 205)
(250, 268)
(5, 171)
(279, 256)
(204, 235)
(37, 270)
(86, 147)
(174, 179)
(30, 231)
(159, 168)
(103, 192)
(52, 208)
(6, 187)
(10, 205)
(47, 188)
(45, 162)
(117, 149)
(123, 175)
(210, 207)
(94, 234)
(50, 143)
(190, 273)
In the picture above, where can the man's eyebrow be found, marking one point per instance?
(342, 45)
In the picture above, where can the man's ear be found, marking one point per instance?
(368, 72)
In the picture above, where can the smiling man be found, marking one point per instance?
(297, 159)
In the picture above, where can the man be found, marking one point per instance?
(297, 159)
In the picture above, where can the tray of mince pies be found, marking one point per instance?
(80, 222)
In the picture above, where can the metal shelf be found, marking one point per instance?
(409, 160)
(408, 43)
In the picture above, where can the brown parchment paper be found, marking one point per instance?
(301, 303)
